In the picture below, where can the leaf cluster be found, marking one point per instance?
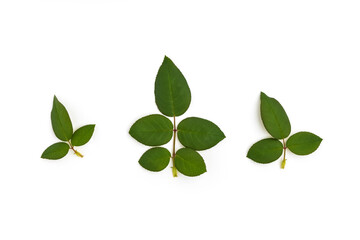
(277, 123)
(173, 97)
(63, 129)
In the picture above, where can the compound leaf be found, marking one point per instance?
(303, 143)
(60, 121)
(152, 130)
(198, 133)
(82, 135)
(189, 162)
(266, 150)
(274, 117)
(172, 93)
(155, 159)
(56, 151)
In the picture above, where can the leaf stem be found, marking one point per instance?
(174, 170)
(76, 152)
(284, 159)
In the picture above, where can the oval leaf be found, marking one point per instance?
(155, 159)
(152, 130)
(56, 151)
(60, 121)
(274, 117)
(303, 143)
(172, 93)
(198, 133)
(189, 162)
(82, 135)
(266, 150)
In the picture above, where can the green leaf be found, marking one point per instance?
(152, 130)
(56, 151)
(266, 150)
(82, 135)
(274, 117)
(60, 121)
(303, 143)
(172, 93)
(155, 159)
(189, 162)
(198, 133)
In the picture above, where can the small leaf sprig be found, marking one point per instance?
(173, 97)
(63, 129)
(277, 123)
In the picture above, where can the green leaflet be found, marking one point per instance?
(274, 117)
(303, 143)
(63, 130)
(155, 159)
(82, 135)
(266, 150)
(189, 162)
(172, 93)
(152, 130)
(198, 133)
(56, 151)
(60, 121)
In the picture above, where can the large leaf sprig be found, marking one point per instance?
(63, 129)
(173, 97)
(277, 123)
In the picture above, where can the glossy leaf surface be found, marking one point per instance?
(60, 121)
(56, 151)
(303, 143)
(155, 159)
(152, 130)
(266, 150)
(198, 133)
(274, 117)
(172, 93)
(82, 135)
(189, 162)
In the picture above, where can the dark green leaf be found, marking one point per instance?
(198, 133)
(155, 159)
(303, 143)
(60, 121)
(274, 117)
(172, 93)
(266, 150)
(56, 151)
(189, 162)
(152, 130)
(82, 135)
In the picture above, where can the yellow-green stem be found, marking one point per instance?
(174, 170)
(76, 152)
(283, 163)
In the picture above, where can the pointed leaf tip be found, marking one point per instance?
(155, 159)
(152, 130)
(303, 143)
(189, 162)
(265, 151)
(82, 135)
(199, 134)
(60, 121)
(274, 117)
(56, 151)
(172, 93)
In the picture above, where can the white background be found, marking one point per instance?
(100, 58)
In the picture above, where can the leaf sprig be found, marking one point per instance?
(173, 97)
(63, 130)
(277, 123)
